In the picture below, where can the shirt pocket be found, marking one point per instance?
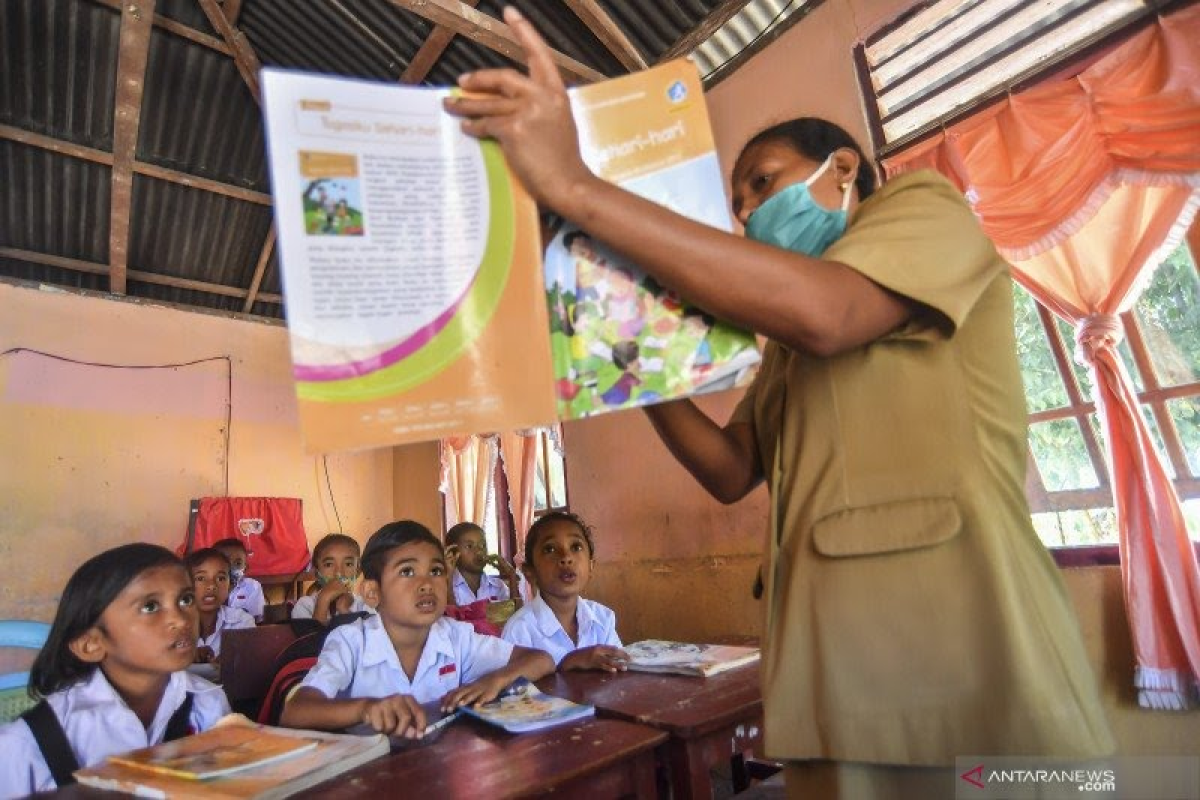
(887, 527)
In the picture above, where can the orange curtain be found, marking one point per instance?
(468, 463)
(1085, 185)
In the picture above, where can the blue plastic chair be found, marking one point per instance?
(14, 698)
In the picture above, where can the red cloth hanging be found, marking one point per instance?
(272, 528)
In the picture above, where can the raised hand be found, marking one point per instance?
(530, 117)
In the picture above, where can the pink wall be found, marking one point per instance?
(97, 457)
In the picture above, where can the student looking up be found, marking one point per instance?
(380, 669)
(112, 674)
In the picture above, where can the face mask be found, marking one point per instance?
(235, 576)
(793, 220)
(325, 580)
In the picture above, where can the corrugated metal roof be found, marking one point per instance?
(59, 62)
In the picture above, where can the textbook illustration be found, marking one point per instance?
(163, 771)
(418, 303)
(682, 658)
(526, 709)
(619, 339)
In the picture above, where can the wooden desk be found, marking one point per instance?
(708, 719)
(592, 758)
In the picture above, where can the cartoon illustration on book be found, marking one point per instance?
(332, 195)
(621, 340)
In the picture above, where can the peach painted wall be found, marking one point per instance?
(94, 457)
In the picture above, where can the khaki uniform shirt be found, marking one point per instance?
(913, 614)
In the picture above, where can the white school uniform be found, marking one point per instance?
(248, 596)
(99, 724)
(227, 619)
(305, 605)
(359, 660)
(491, 587)
(534, 625)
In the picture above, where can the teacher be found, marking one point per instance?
(913, 615)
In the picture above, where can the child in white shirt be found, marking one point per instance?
(335, 559)
(577, 633)
(469, 581)
(209, 569)
(244, 592)
(380, 669)
(112, 674)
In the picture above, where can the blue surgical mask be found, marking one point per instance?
(793, 220)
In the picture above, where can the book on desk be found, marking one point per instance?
(682, 658)
(236, 760)
(523, 708)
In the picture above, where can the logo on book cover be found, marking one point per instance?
(677, 92)
(251, 527)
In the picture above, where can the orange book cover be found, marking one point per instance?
(219, 751)
(239, 760)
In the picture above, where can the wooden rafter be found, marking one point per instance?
(489, 32)
(137, 20)
(247, 62)
(707, 27)
(431, 50)
(259, 269)
(139, 167)
(177, 28)
(608, 32)
(96, 268)
(232, 10)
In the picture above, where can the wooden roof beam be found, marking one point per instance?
(244, 57)
(489, 32)
(608, 32)
(431, 50)
(139, 167)
(96, 268)
(707, 27)
(137, 20)
(177, 28)
(259, 269)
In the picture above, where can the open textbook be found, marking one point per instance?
(523, 708)
(417, 303)
(682, 658)
(224, 762)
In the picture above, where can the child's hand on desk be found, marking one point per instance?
(601, 656)
(398, 715)
(484, 690)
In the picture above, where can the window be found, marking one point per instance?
(550, 487)
(945, 57)
(1068, 484)
(549, 494)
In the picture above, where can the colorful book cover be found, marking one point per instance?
(525, 709)
(619, 339)
(320, 757)
(683, 658)
(219, 751)
(411, 267)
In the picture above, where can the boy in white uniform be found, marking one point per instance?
(245, 592)
(578, 633)
(380, 669)
(469, 582)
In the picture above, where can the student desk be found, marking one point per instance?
(708, 719)
(589, 758)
